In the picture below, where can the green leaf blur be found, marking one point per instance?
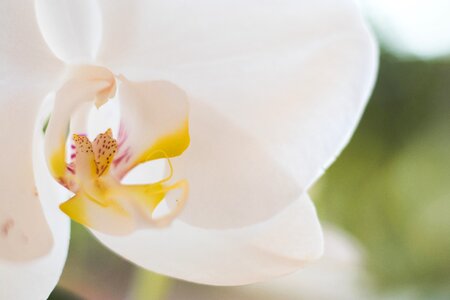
(390, 188)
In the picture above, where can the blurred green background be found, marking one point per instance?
(390, 189)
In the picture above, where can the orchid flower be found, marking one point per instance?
(218, 114)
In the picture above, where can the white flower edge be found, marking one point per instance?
(339, 275)
(240, 256)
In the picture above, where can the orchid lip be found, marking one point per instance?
(97, 188)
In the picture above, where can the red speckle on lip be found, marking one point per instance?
(71, 169)
(7, 226)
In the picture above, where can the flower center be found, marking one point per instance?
(154, 125)
(101, 201)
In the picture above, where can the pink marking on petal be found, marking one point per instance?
(122, 136)
(120, 144)
(119, 159)
(71, 168)
(7, 226)
(121, 130)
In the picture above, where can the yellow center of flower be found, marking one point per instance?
(102, 202)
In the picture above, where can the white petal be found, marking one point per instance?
(27, 72)
(288, 79)
(27, 69)
(35, 279)
(24, 56)
(227, 257)
(232, 179)
(338, 275)
(72, 29)
(154, 123)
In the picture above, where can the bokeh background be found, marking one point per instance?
(385, 202)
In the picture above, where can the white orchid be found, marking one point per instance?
(251, 101)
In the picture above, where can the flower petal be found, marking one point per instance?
(27, 69)
(24, 232)
(35, 279)
(24, 56)
(232, 179)
(288, 79)
(227, 257)
(72, 29)
(154, 123)
(338, 275)
(27, 72)
(112, 219)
